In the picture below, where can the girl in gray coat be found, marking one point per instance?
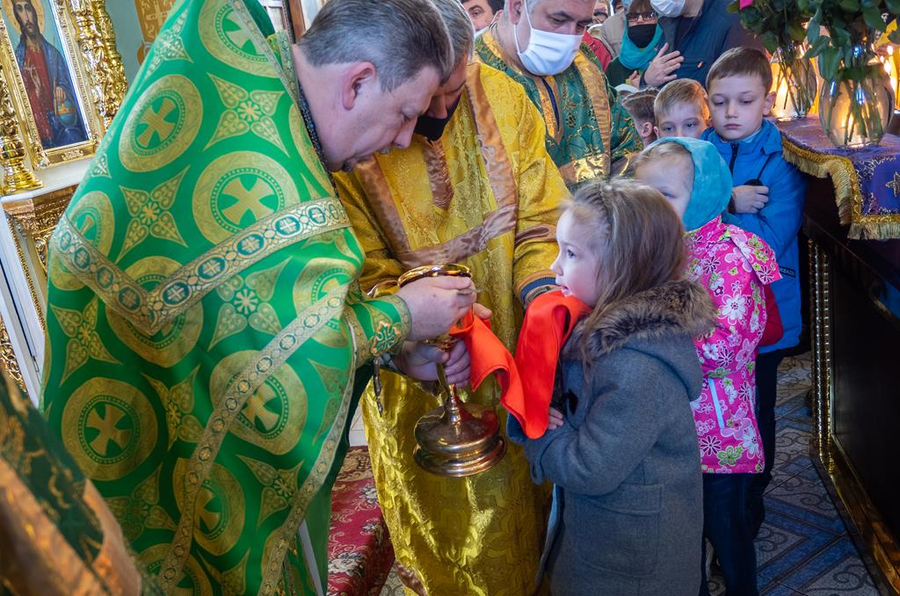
(621, 448)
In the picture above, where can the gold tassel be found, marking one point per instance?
(849, 199)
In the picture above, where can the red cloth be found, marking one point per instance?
(488, 355)
(774, 328)
(549, 320)
(598, 48)
(37, 85)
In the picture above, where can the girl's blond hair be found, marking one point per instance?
(660, 150)
(637, 236)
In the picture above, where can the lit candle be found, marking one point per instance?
(892, 68)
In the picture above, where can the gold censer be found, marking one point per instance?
(456, 439)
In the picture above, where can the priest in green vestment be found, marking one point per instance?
(205, 320)
(538, 44)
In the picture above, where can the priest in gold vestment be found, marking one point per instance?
(475, 186)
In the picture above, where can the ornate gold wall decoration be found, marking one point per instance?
(151, 15)
(12, 152)
(820, 304)
(8, 358)
(97, 41)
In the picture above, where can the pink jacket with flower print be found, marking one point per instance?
(733, 265)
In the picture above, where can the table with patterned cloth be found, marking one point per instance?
(866, 181)
(360, 554)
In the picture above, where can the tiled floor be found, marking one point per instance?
(803, 547)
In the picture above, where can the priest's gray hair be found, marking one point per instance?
(459, 26)
(400, 37)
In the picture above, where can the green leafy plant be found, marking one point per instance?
(780, 26)
(851, 27)
(777, 23)
(845, 52)
(841, 35)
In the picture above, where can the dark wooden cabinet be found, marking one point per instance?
(855, 335)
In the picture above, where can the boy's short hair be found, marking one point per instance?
(741, 61)
(640, 104)
(681, 91)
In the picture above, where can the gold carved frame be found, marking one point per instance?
(91, 46)
(873, 531)
(98, 81)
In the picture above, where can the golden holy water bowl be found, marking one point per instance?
(456, 439)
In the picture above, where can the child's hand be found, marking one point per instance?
(417, 359)
(634, 80)
(556, 419)
(749, 199)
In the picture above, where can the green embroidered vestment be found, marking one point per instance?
(204, 320)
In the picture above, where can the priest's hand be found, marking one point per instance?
(436, 303)
(417, 360)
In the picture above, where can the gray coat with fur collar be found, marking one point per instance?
(628, 504)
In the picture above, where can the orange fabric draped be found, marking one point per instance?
(526, 381)
(549, 320)
(488, 355)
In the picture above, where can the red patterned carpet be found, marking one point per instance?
(360, 554)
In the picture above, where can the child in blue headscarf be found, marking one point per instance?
(734, 266)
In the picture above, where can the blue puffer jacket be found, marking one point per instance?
(778, 222)
(705, 37)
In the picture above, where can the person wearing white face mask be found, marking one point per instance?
(538, 44)
(701, 30)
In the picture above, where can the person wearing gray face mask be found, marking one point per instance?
(538, 44)
(701, 31)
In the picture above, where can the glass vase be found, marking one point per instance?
(795, 83)
(855, 108)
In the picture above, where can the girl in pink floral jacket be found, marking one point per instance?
(734, 266)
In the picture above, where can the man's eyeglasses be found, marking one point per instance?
(636, 17)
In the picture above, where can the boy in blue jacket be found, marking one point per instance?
(767, 200)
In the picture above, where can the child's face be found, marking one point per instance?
(683, 119)
(737, 105)
(673, 177)
(576, 266)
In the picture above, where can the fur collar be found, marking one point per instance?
(672, 308)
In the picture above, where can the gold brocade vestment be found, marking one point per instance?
(485, 194)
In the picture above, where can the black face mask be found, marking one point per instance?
(641, 35)
(433, 128)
